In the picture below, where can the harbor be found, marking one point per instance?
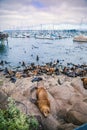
(26, 50)
(43, 65)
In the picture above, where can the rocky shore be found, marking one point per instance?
(66, 90)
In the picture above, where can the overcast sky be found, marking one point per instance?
(35, 12)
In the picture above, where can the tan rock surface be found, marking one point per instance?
(65, 99)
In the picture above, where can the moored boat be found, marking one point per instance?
(80, 38)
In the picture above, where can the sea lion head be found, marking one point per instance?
(45, 111)
(84, 82)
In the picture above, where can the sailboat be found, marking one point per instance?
(81, 37)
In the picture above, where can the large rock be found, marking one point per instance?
(64, 91)
(67, 126)
(62, 98)
(77, 114)
(77, 97)
(25, 105)
(77, 84)
(3, 99)
(50, 123)
(62, 94)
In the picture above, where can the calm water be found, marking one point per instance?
(26, 49)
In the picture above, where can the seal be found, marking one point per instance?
(42, 101)
(84, 82)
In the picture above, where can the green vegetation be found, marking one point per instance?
(13, 119)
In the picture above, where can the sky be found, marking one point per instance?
(31, 13)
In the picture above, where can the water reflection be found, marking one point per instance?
(3, 48)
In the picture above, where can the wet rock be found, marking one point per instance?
(77, 114)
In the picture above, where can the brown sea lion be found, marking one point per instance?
(42, 101)
(84, 82)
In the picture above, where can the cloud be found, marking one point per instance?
(33, 12)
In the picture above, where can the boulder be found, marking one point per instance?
(77, 114)
(26, 106)
(77, 84)
(68, 101)
(77, 97)
(50, 123)
(62, 93)
(67, 126)
(3, 99)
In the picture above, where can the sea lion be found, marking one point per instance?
(84, 82)
(42, 101)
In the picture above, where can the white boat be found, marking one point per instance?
(39, 36)
(80, 38)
